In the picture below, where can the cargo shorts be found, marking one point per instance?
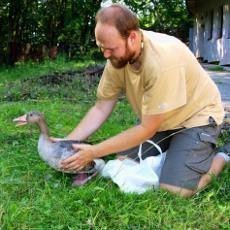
(189, 154)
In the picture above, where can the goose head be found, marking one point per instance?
(33, 117)
(30, 117)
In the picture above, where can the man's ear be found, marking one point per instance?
(132, 38)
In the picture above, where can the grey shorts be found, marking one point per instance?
(189, 154)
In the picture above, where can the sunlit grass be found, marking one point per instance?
(33, 69)
(34, 196)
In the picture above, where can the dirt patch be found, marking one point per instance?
(57, 84)
(91, 73)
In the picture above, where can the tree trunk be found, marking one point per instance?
(14, 42)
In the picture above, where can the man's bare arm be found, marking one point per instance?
(95, 117)
(123, 141)
(131, 137)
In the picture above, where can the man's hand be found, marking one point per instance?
(83, 156)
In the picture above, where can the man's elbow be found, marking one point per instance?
(147, 132)
(151, 124)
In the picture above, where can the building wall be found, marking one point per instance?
(210, 35)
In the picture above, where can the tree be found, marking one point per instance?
(166, 16)
(31, 29)
(30, 25)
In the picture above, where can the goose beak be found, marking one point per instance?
(20, 120)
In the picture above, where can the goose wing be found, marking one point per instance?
(53, 152)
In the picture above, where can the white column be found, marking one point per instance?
(225, 59)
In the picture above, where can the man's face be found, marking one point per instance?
(113, 46)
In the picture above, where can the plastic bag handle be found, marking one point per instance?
(151, 142)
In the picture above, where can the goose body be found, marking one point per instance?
(53, 152)
(50, 152)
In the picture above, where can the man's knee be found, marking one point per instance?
(183, 192)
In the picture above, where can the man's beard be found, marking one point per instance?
(119, 63)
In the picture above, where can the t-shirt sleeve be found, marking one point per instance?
(165, 93)
(110, 85)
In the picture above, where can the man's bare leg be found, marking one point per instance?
(183, 192)
(215, 169)
(217, 166)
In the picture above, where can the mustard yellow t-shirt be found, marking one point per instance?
(169, 81)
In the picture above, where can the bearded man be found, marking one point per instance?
(177, 103)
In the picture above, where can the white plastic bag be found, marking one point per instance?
(132, 176)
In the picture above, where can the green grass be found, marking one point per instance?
(216, 68)
(31, 69)
(34, 196)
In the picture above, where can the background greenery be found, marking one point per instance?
(35, 29)
(34, 196)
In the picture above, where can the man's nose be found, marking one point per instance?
(106, 53)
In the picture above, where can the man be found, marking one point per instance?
(178, 105)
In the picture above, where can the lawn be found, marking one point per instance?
(34, 196)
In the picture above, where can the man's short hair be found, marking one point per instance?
(119, 16)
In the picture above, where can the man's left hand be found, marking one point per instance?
(80, 159)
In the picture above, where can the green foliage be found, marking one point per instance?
(31, 29)
(224, 138)
(216, 68)
(42, 25)
(165, 16)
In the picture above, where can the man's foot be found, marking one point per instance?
(225, 156)
(84, 176)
